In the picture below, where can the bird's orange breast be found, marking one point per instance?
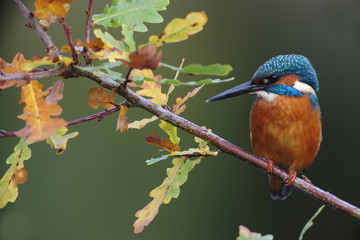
(286, 130)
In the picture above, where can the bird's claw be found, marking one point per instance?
(292, 178)
(270, 166)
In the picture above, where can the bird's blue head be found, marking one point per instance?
(283, 65)
(271, 78)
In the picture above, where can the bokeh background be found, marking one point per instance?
(93, 190)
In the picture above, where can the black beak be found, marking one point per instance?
(244, 88)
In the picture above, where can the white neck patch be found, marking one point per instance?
(267, 96)
(303, 87)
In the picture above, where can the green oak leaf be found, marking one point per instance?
(132, 13)
(197, 69)
(16, 174)
(213, 69)
(180, 177)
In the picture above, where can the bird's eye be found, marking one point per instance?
(270, 80)
(273, 78)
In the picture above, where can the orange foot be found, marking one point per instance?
(270, 166)
(291, 178)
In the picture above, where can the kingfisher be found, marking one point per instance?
(285, 124)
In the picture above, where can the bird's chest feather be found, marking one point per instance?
(286, 130)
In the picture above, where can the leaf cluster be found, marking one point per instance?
(107, 56)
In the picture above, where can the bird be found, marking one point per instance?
(285, 118)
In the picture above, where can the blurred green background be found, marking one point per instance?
(93, 190)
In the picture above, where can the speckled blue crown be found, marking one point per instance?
(289, 64)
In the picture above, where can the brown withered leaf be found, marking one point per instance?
(13, 68)
(145, 57)
(122, 124)
(38, 114)
(154, 139)
(55, 91)
(99, 97)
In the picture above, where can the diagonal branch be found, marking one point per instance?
(34, 24)
(223, 145)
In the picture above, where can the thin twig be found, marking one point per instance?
(88, 26)
(59, 71)
(98, 116)
(50, 47)
(69, 38)
(88, 22)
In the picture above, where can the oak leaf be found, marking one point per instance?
(149, 88)
(170, 188)
(122, 124)
(179, 107)
(13, 68)
(111, 50)
(38, 61)
(142, 123)
(145, 57)
(59, 139)
(148, 213)
(180, 29)
(99, 97)
(165, 144)
(37, 114)
(246, 234)
(16, 174)
(171, 130)
(131, 13)
(49, 11)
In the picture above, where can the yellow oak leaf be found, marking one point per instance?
(16, 174)
(38, 61)
(99, 97)
(13, 68)
(49, 11)
(150, 89)
(37, 114)
(105, 47)
(142, 123)
(122, 124)
(171, 130)
(180, 29)
(55, 91)
(179, 107)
